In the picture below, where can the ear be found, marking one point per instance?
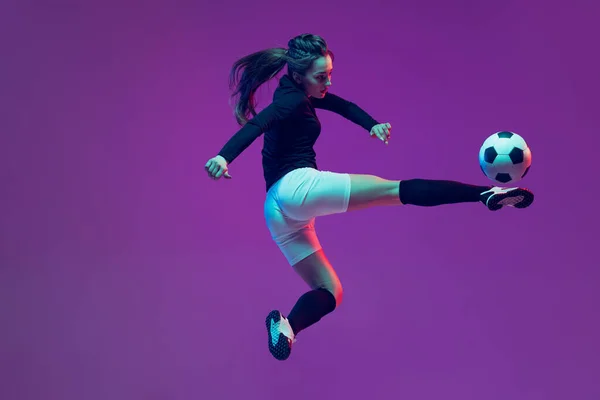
(297, 77)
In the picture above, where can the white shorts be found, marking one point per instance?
(293, 203)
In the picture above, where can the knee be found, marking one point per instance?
(338, 293)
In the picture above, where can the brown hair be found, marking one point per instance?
(251, 71)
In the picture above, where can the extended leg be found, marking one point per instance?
(369, 190)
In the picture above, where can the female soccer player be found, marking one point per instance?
(298, 192)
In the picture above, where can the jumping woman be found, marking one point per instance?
(297, 191)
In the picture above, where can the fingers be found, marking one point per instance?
(208, 167)
(382, 132)
(215, 170)
(388, 131)
(212, 169)
(379, 134)
(218, 172)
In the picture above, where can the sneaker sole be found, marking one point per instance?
(281, 351)
(518, 198)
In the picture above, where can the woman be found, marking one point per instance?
(298, 192)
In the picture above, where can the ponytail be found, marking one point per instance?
(256, 69)
(250, 72)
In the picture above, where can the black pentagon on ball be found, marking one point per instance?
(516, 155)
(505, 135)
(503, 177)
(490, 154)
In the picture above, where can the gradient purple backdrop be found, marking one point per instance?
(127, 274)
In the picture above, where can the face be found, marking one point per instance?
(317, 79)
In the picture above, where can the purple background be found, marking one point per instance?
(127, 274)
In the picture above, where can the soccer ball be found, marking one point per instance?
(504, 157)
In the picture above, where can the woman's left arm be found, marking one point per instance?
(346, 109)
(354, 113)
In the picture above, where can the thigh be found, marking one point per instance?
(307, 193)
(318, 273)
(370, 190)
(296, 239)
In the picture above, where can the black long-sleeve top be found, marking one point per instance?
(291, 128)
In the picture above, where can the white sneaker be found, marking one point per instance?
(281, 335)
(498, 197)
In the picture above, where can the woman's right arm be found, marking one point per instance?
(276, 111)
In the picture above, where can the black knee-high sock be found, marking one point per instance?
(310, 308)
(427, 192)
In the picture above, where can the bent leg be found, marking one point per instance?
(300, 245)
(325, 296)
(318, 273)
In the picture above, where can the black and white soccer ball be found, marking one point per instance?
(504, 157)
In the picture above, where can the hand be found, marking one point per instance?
(217, 168)
(382, 132)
